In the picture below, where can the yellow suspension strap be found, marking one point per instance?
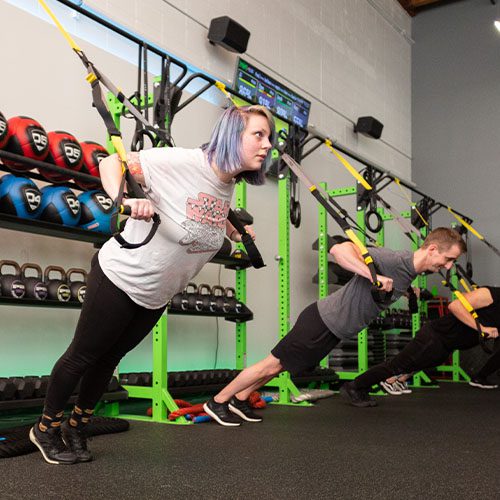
(468, 306)
(348, 166)
(332, 209)
(413, 205)
(222, 88)
(465, 279)
(473, 231)
(95, 78)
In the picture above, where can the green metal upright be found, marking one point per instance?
(323, 250)
(241, 288)
(283, 382)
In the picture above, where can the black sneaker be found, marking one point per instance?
(221, 414)
(243, 410)
(482, 382)
(76, 440)
(52, 446)
(356, 397)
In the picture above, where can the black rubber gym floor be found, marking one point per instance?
(433, 444)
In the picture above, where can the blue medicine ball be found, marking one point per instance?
(60, 205)
(97, 209)
(19, 196)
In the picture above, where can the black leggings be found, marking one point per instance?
(426, 350)
(110, 325)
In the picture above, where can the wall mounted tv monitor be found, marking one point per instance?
(258, 87)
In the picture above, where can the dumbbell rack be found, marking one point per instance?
(35, 226)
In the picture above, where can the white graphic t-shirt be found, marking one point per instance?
(193, 204)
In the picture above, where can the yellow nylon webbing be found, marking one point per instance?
(465, 224)
(66, 35)
(398, 182)
(348, 166)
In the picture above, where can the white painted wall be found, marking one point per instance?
(349, 57)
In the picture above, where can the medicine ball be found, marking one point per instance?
(60, 205)
(64, 152)
(20, 196)
(93, 153)
(25, 137)
(97, 208)
(4, 128)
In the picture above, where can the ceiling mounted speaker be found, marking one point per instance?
(369, 126)
(229, 34)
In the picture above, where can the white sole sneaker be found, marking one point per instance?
(217, 419)
(390, 390)
(242, 415)
(481, 386)
(34, 440)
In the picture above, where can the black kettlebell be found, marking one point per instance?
(175, 302)
(77, 287)
(204, 291)
(231, 303)
(58, 289)
(35, 287)
(191, 296)
(217, 298)
(188, 297)
(11, 284)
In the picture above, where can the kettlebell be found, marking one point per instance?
(217, 298)
(188, 299)
(204, 297)
(35, 287)
(11, 284)
(191, 295)
(77, 288)
(231, 303)
(175, 302)
(58, 289)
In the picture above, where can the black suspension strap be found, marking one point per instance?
(252, 250)
(379, 295)
(95, 78)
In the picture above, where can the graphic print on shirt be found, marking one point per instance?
(205, 224)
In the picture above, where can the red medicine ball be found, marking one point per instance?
(93, 153)
(64, 152)
(4, 128)
(28, 138)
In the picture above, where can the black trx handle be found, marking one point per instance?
(252, 251)
(136, 192)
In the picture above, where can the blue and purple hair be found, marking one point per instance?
(224, 147)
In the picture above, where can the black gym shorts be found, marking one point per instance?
(306, 344)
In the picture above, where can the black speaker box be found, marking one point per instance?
(229, 34)
(369, 126)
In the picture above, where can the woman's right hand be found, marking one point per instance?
(140, 208)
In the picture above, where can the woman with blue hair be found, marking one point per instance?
(128, 289)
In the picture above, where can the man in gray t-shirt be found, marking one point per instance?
(341, 315)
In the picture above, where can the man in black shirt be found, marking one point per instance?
(437, 339)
